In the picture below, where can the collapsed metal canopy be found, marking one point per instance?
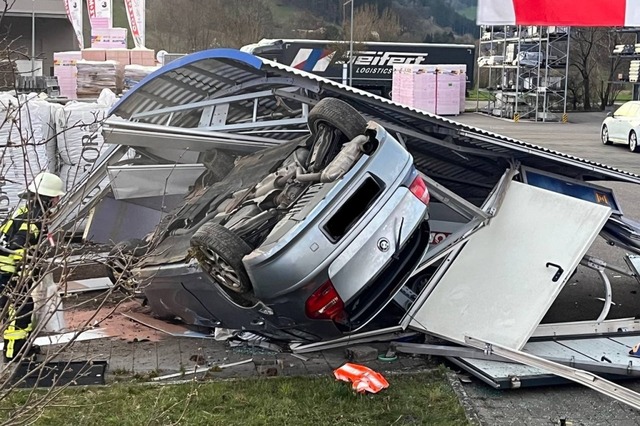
(254, 90)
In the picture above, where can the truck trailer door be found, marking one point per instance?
(507, 275)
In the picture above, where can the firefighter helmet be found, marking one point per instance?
(47, 184)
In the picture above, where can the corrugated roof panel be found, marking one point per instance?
(196, 77)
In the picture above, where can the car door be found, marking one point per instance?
(628, 123)
(634, 119)
(616, 124)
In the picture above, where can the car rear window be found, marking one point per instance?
(352, 210)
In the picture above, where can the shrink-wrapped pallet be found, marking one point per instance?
(134, 74)
(23, 145)
(80, 142)
(79, 129)
(94, 76)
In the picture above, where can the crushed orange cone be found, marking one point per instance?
(363, 378)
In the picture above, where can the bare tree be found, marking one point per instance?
(191, 25)
(591, 58)
(243, 22)
(371, 24)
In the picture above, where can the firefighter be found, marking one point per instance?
(20, 233)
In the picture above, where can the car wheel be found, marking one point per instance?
(332, 123)
(121, 257)
(338, 114)
(220, 251)
(633, 142)
(605, 136)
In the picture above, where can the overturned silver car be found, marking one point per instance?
(304, 241)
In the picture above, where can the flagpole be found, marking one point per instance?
(351, 49)
(33, 38)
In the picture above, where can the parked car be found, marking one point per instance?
(622, 126)
(305, 241)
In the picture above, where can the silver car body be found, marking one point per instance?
(299, 256)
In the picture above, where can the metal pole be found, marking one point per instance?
(351, 49)
(33, 38)
(517, 57)
(566, 72)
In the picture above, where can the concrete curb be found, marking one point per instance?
(466, 402)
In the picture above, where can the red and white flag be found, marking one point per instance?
(74, 13)
(135, 15)
(583, 13)
(100, 13)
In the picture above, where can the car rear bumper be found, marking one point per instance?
(186, 292)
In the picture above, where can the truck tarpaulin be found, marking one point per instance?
(587, 13)
(74, 13)
(135, 15)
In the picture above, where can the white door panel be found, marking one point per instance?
(502, 283)
(614, 129)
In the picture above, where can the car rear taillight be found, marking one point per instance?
(325, 303)
(419, 189)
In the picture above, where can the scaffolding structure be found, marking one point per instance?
(631, 52)
(523, 72)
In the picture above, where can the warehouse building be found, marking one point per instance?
(53, 31)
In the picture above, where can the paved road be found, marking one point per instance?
(579, 137)
(578, 301)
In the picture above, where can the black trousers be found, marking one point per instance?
(18, 319)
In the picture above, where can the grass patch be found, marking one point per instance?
(623, 96)
(424, 399)
(480, 95)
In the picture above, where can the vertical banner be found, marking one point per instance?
(135, 15)
(100, 13)
(74, 13)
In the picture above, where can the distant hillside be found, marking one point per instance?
(190, 25)
(418, 17)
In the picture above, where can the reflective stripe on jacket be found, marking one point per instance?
(13, 333)
(8, 262)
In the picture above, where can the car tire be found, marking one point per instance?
(219, 252)
(338, 114)
(121, 257)
(633, 142)
(604, 136)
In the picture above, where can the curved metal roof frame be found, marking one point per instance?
(178, 93)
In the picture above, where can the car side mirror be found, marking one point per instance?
(609, 114)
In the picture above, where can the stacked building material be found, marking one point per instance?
(133, 74)
(121, 58)
(144, 57)
(438, 89)
(95, 76)
(109, 38)
(448, 92)
(415, 86)
(65, 69)
(461, 71)
(94, 54)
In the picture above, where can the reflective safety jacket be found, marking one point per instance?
(21, 230)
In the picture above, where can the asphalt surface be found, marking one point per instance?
(579, 300)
